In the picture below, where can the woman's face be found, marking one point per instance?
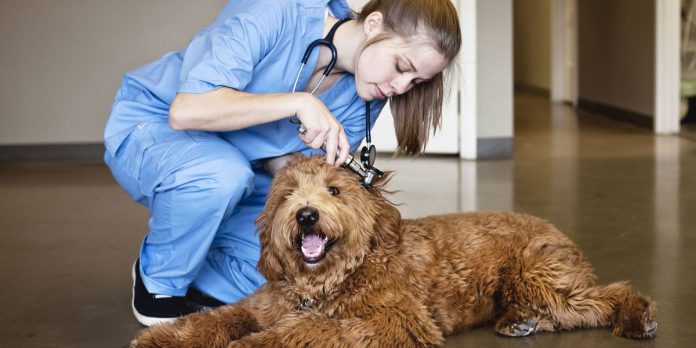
(393, 66)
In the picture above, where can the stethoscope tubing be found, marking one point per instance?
(328, 42)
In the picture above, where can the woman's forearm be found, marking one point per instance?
(226, 109)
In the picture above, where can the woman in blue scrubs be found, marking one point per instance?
(189, 134)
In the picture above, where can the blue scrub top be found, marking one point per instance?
(254, 46)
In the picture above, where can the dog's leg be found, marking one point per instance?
(629, 313)
(551, 293)
(635, 317)
(397, 326)
(219, 327)
(213, 328)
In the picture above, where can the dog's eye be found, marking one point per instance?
(333, 190)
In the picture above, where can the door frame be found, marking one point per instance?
(564, 51)
(667, 66)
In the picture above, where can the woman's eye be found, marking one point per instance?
(398, 69)
(333, 190)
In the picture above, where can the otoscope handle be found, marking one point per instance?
(354, 166)
(367, 175)
(350, 162)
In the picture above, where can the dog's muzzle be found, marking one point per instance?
(312, 243)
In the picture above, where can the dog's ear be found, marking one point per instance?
(379, 185)
(388, 218)
(269, 263)
(387, 225)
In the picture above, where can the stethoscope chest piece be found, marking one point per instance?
(368, 154)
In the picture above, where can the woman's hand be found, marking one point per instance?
(322, 129)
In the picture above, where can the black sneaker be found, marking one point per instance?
(198, 301)
(151, 309)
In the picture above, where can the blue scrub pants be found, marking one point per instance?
(203, 196)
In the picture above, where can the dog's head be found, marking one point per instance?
(320, 220)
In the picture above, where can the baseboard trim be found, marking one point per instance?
(83, 152)
(616, 113)
(487, 148)
(540, 91)
(494, 148)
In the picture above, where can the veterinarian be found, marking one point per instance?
(189, 134)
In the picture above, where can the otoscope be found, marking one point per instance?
(367, 172)
(365, 168)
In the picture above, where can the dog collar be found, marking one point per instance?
(306, 303)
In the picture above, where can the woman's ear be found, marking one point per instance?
(373, 24)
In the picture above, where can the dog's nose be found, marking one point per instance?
(307, 217)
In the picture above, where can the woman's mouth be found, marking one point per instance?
(378, 93)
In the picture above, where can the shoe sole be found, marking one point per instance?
(143, 319)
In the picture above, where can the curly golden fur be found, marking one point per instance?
(388, 282)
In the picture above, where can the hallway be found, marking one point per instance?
(625, 196)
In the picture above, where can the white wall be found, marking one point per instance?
(495, 68)
(62, 60)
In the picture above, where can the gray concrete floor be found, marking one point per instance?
(626, 197)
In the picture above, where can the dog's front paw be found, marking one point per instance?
(636, 318)
(176, 334)
(516, 328)
(152, 338)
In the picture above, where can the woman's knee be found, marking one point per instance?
(198, 162)
(229, 179)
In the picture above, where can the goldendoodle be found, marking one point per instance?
(344, 270)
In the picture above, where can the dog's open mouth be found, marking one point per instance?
(313, 245)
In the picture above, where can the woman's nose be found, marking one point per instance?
(401, 85)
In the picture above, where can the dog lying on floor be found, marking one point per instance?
(344, 270)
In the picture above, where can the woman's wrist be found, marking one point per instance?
(300, 101)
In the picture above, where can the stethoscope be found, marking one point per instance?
(367, 172)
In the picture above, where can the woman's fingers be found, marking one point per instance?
(313, 135)
(322, 129)
(319, 140)
(331, 145)
(343, 148)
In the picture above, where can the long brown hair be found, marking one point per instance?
(419, 108)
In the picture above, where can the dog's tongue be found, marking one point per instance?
(312, 245)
